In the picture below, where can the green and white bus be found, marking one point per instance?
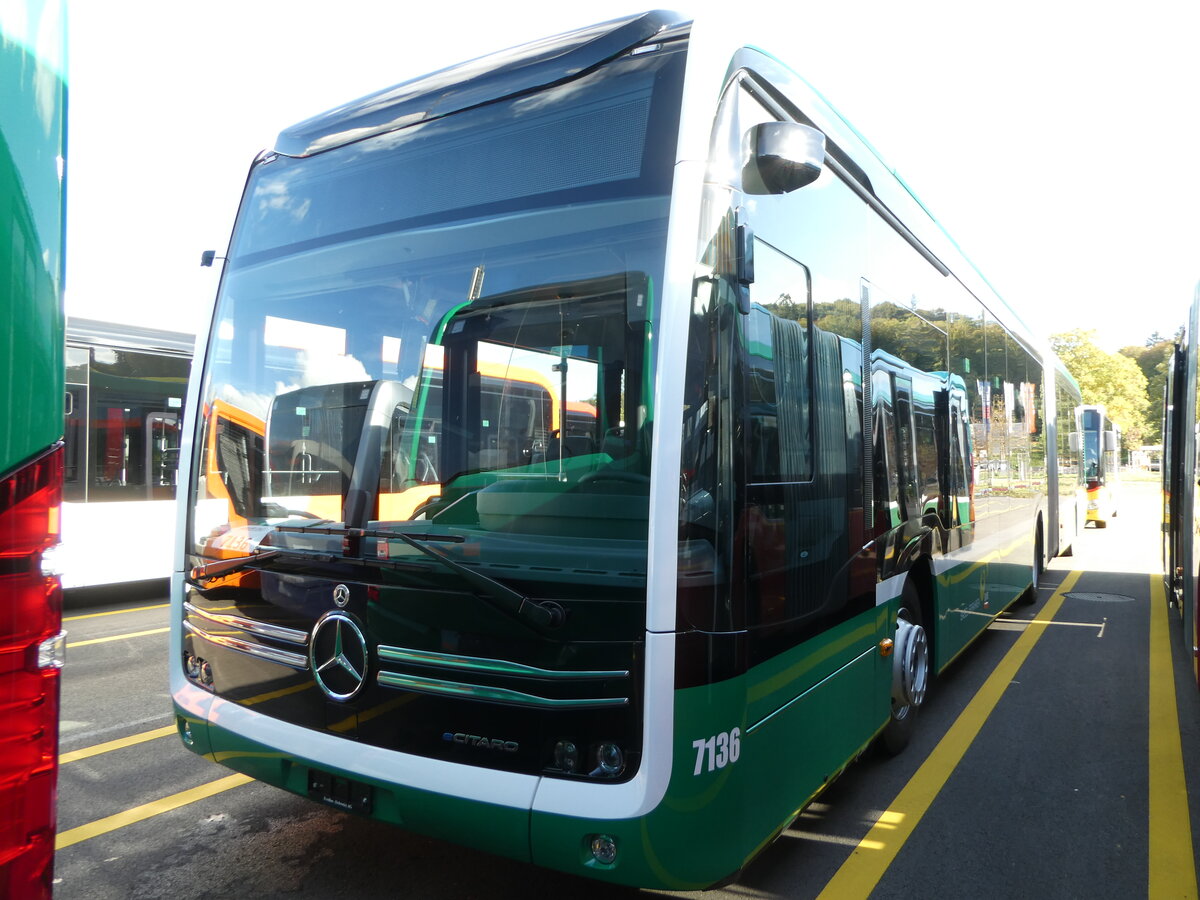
(32, 142)
(595, 449)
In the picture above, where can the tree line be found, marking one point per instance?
(1129, 382)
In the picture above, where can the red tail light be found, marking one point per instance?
(30, 661)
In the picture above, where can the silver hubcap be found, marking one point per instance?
(910, 670)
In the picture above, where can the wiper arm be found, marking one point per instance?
(223, 567)
(538, 615)
(507, 600)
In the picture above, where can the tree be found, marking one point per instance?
(1112, 379)
(1153, 359)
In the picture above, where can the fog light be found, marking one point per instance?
(604, 849)
(609, 760)
(566, 756)
(185, 732)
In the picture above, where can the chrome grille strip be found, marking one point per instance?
(492, 694)
(490, 666)
(253, 626)
(269, 654)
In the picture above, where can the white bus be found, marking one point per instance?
(126, 387)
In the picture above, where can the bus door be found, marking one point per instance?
(792, 520)
(959, 484)
(75, 449)
(886, 455)
(162, 454)
(906, 450)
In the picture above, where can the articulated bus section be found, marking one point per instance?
(1181, 515)
(598, 509)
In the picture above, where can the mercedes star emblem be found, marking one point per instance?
(341, 596)
(338, 655)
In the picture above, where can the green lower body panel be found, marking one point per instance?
(748, 753)
(737, 780)
(490, 827)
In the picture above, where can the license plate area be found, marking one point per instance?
(339, 792)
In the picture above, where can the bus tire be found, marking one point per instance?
(910, 674)
(1029, 597)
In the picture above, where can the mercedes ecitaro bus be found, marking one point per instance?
(596, 447)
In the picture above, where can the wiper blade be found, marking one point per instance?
(538, 615)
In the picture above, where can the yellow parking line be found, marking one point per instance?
(117, 637)
(863, 869)
(165, 731)
(118, 744)
(115, 612)
(148, 810)
(1171, 863)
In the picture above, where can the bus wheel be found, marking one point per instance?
(1030, 596)
(910, 672)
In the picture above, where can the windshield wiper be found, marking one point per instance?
(540, 615)
(223, 567)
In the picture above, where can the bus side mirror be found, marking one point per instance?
(1073, 441)
(1110, 441)
(779, 157)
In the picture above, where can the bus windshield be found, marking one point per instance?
(431, 332)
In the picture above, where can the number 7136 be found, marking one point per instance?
(721, 749)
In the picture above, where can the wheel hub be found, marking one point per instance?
(910, 664)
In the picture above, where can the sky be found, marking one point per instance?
(1055, 141)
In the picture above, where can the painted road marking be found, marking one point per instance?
(118, 637)
(148, 810)
(1022, 624)
(865, 866)
(115, 612)
(1172, 865)
(142, 737)
(118, 744)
